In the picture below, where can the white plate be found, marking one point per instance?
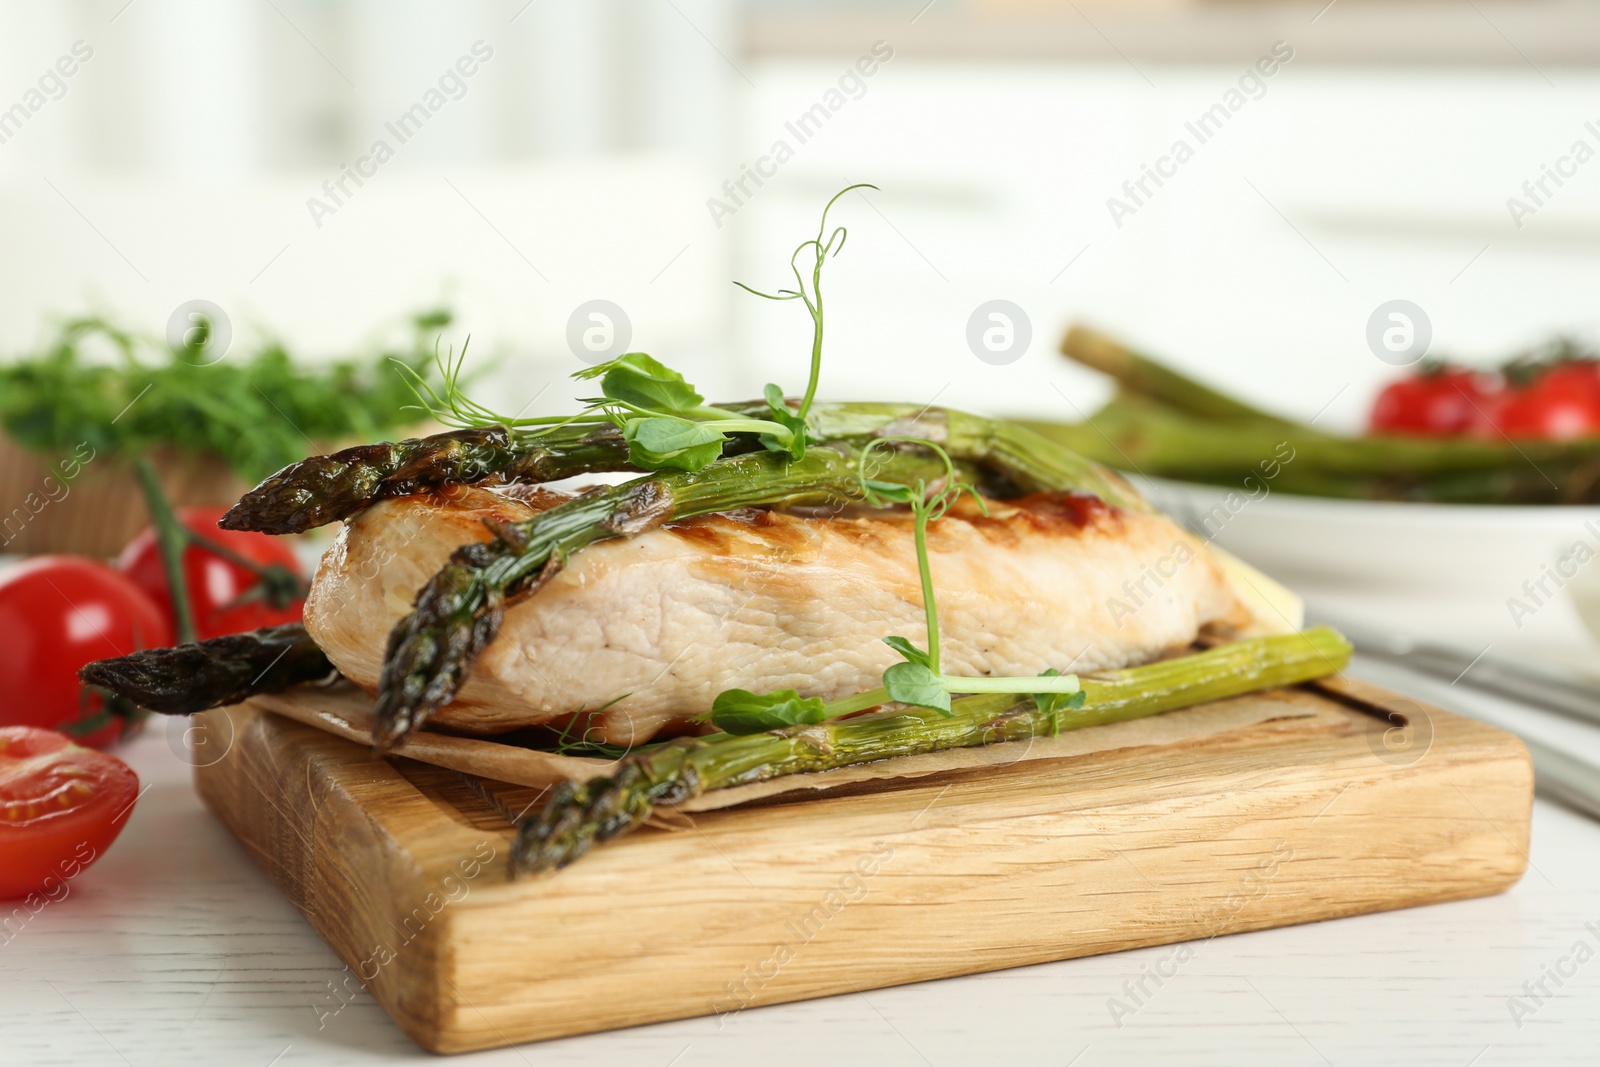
(1457, 550)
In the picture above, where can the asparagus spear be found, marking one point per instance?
(458, 612)
(1142, 376)
(581, 814)
(1151, 438)
(210, 674)
(324, 489)
(1018, 458)
(1164, 423)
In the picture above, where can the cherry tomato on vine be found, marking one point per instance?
(56, 614)
(1441, 401)
(226, 595)
(61, 806)
(1561, 404)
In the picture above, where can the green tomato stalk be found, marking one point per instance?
(276, 584)
(172, 539)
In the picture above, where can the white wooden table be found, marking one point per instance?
(176, 948)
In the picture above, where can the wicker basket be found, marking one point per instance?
(101, 509)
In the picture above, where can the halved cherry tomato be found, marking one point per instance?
(226, 598)
(1441, 401)
(56, 614)
(1561, 404)
(61, 806)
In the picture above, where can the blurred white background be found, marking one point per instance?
(578, 160)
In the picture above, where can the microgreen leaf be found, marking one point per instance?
(889, 492)
(914, 683)
(907, 649)
(796, 447)
(1050, 704)
(572, 741)
(739, 711)
(452, 406)
(670, 442)
(641, 381)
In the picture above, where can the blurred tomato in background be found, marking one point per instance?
(1561, 404)
(1441, 400)
(1548, 400)
(254, 581)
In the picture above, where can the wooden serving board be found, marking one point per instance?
(401, 866)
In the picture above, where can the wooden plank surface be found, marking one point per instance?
(401, 867)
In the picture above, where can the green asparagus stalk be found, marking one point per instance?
(1165, 424)
(1143, 376)
(324, 489)
(581, 814)
(208, 674)
(1008, 458)
(459, 611)
(1138, 435)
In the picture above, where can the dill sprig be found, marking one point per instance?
(571, 741)
(450, 405)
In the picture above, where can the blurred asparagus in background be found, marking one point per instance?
(1162, 423)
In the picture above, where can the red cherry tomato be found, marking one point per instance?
(61, 806)
(1442, 402)
(226, 598)
(1563, 403)
(56, 614)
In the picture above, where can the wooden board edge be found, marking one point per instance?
(333, 829)
(1471, 752)
(422, 996)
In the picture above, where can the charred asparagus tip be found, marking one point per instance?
(582, 814)
(213, 673)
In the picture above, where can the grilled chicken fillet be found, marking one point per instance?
(650, 628)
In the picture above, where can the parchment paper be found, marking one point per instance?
(346, 712)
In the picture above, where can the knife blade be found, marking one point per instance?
(1540, 685)
(1569, 781)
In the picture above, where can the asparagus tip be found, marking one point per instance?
(580, 815)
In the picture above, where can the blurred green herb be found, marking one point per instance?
(256, 411)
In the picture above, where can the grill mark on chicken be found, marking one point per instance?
(764, 600)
